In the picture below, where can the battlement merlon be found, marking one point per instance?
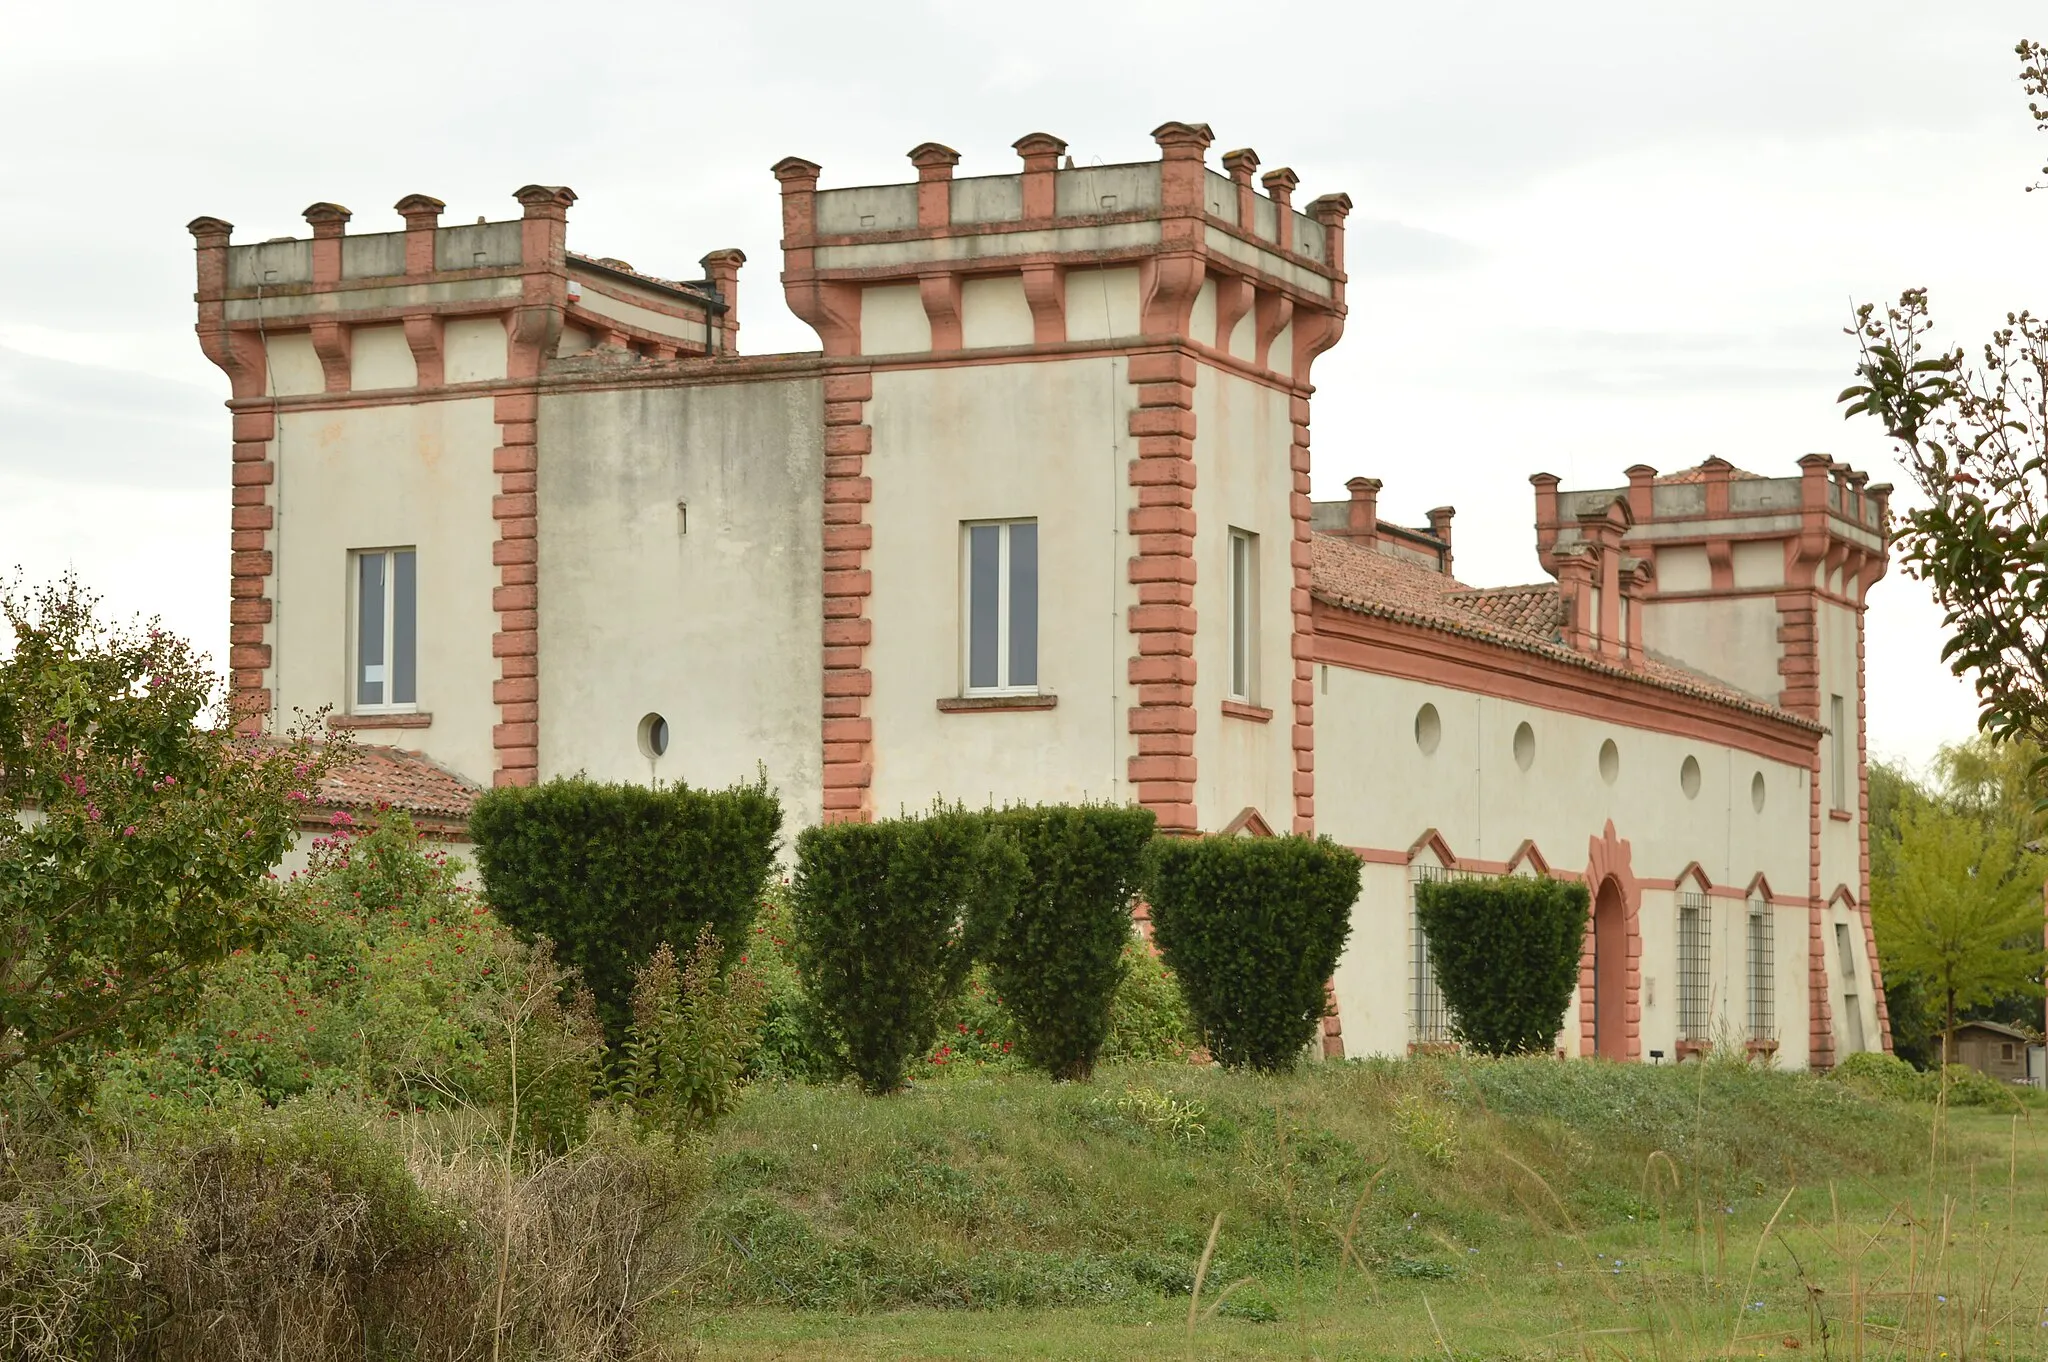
(1240, 274)
(518, 271)
(1830, 519)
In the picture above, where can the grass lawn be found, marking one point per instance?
(1524, 1209)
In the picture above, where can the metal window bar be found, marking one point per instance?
(1695, 929)
(1762, 977)
(1429, 1020)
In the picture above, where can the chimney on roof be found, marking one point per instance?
(1440, 529)
(1642, 482)
(1362, 521)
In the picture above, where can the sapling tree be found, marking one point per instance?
(1973, 437)
(137, 831)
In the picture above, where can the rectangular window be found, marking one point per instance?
(1244, 616)
(1838, 765)
(1001, 576)
(385, 645)
(1762, 980)
(1852, 1003)
(1694, 967)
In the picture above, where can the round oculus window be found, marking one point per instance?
(1525, 746)
(1610, 761)
(653, 736)
(1429, 729)
(1689, 777)
(1756, 792)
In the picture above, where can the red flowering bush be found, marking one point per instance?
(137, 832)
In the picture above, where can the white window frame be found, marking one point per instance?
(1244, 616)
(355, 617)
(1003, 610)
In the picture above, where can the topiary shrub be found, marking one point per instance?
(1506, 953)
(1057, 957)
(1252, 926)
(610, 872)
(885, 920)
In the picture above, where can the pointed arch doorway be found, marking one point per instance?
(1610, 968)
(1610, 971)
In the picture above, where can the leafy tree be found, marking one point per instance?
(137, 831)
(1507, 955)
(1974, 440)
(1962, 911)
(1252, 928)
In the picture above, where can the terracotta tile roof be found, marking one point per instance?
(1524, 618)
(393, 777)
(1537, 610)
(1697, 473)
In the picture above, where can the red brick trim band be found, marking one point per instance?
(1161, 768)
(251, 611)
(1302, 643)
(516, 554)
(849, 765)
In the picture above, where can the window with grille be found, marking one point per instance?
(1694, 967)
(1762, 980)
(1429, 1021)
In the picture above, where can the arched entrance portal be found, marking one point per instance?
(1610, 972)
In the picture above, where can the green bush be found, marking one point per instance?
(1057, 957)
(610, 872)
(795, 1039)
(369, 982)
(1253, 926)
(694, 1027)
(1881, 1075)
(886, 920)
(1149, 1018)
(1506, 953)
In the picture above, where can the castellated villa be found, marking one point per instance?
(1034, 524)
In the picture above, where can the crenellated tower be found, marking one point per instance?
(1118, 355)
(1762, 583)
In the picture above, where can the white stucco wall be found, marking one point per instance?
(716, 626)
(997, 442)
(1734, 639)
(390, 477)
(1243, 481)
(1376, 788)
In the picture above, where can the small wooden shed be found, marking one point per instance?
(1992, 1048)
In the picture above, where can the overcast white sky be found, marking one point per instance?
(1585, 235)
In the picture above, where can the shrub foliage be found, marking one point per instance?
(886, 917)
(1057, 957)
(695, 1026)
(157, 830)
(1253, 927)
(1506, 953)
(610, 872)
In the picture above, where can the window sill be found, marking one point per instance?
(338, 722)
(1238, 709)
(1840, 815)
(984, 704)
